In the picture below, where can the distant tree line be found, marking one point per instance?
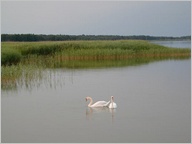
(41, 37)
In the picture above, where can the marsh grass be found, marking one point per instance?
(20, 74)
(10, 56)
(13, 53)
(23, 62)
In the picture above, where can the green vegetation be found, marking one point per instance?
(10, 56)
(13, 53)
(25, 60)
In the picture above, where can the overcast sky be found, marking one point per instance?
(161, 18)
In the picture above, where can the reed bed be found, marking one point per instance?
(15, 52)
(13, 75)
(24, 61)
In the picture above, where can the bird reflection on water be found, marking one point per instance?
(91, 112)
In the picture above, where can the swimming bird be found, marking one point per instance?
(112, 103)
(97, 104)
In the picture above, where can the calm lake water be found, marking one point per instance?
(175, 44)
(154, 106)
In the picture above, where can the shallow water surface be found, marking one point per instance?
(175, 44)
(154, 105)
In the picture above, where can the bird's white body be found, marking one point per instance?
(112, 103)
(97, 104)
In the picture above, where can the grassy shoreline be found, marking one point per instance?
(15, 52)
(26, 60)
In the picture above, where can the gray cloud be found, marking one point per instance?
(97, 17)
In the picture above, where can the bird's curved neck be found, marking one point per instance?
(91, 101)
